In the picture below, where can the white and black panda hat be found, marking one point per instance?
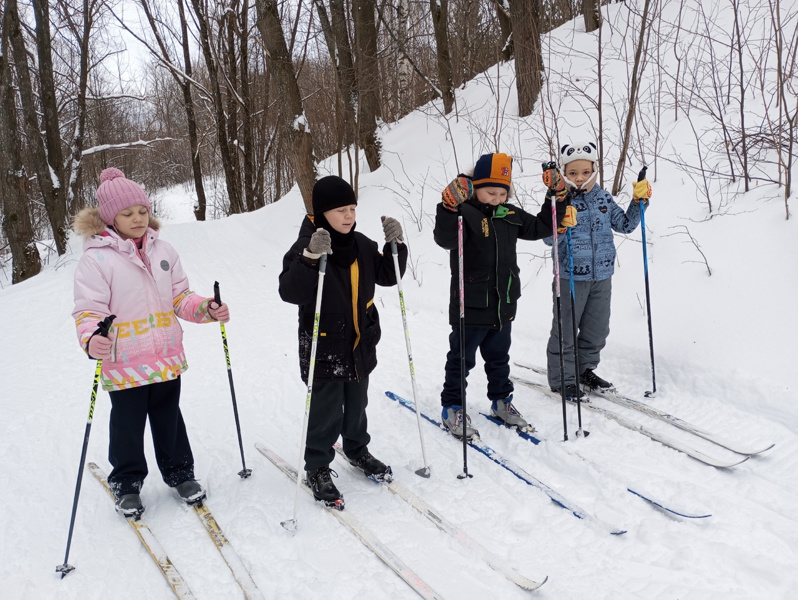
(584, 151)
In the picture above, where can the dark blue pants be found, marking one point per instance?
(337, 408)
(494, 346)
(129, 412)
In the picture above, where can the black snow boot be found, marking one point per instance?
(324, 490)
(190, 491)
(593, 382)
(373, 468)
(129, 506)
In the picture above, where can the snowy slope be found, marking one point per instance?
(724, 362)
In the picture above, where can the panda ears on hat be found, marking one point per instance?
(571, 152)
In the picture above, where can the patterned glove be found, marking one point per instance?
(320, 243)
(642, 191)
(220, 312)
(568, 218)
(553, 181)
(457, 192)
(392, 230)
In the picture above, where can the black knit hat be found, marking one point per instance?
(331, 192)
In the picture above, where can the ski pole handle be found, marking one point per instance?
(217, 297)
(642, 174)
(104, 327)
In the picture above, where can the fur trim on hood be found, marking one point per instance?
(88, 222)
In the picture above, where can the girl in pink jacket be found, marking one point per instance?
(127, 271)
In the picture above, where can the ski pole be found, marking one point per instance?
(102, 329)
(244, 472)
(650, 394)
(461, 290)
(556, 259)
(291, 524)
(425, 471)
(577, 371)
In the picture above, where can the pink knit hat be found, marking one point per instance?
(116, 193)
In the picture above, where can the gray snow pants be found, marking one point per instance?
(592, 308)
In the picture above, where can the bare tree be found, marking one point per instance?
(633, 97)
(226, 152)
(528, 60)
(506, 27)
(292, 114)
(13, 178)
(368, 78)
(591, 9)
(50, 189)
(49, 110)
(440, 22)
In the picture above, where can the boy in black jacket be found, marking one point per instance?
(491, 229)
(349, 328)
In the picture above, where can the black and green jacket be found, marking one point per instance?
(490, 264)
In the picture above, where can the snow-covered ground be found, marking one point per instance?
(725, 362)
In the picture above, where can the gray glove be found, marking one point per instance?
(392, 229)
(320, 242)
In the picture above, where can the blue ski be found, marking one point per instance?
(527, 478)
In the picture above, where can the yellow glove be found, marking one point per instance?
(642, 191)
(569, 220)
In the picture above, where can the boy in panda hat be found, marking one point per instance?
(593, 248)
(491, 229)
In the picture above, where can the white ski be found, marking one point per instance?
(150, 543)
(656, 413)
(656, 436)
(362, 533)
(230, 556)
(492, 560)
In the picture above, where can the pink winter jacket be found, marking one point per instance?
(145, 290)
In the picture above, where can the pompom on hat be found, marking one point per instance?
(493, 170)
(116, 193)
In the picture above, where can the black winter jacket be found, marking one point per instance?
(349, 327)
(490, 264)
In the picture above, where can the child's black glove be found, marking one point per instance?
(457, 192)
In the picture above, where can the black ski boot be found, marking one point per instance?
(129, 506)
(374, 469)
(324, 489)
(572, 393)
(593, 382)
(190, 492)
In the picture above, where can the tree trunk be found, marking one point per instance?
(13, 179)
(76, 148)
(252, 200)
(293, 115)
(528, 60)
(230, 176)
(368, 80)
(191, 118)
(50, 123)
(506, 27)
(591, 9)
(440, 22)
(630, 113)
(50, 190)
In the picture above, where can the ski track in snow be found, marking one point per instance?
(723, 364)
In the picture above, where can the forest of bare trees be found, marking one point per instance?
(251, 93)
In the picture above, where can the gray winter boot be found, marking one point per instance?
(506, 412)
(129, 506)
(453, 419)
